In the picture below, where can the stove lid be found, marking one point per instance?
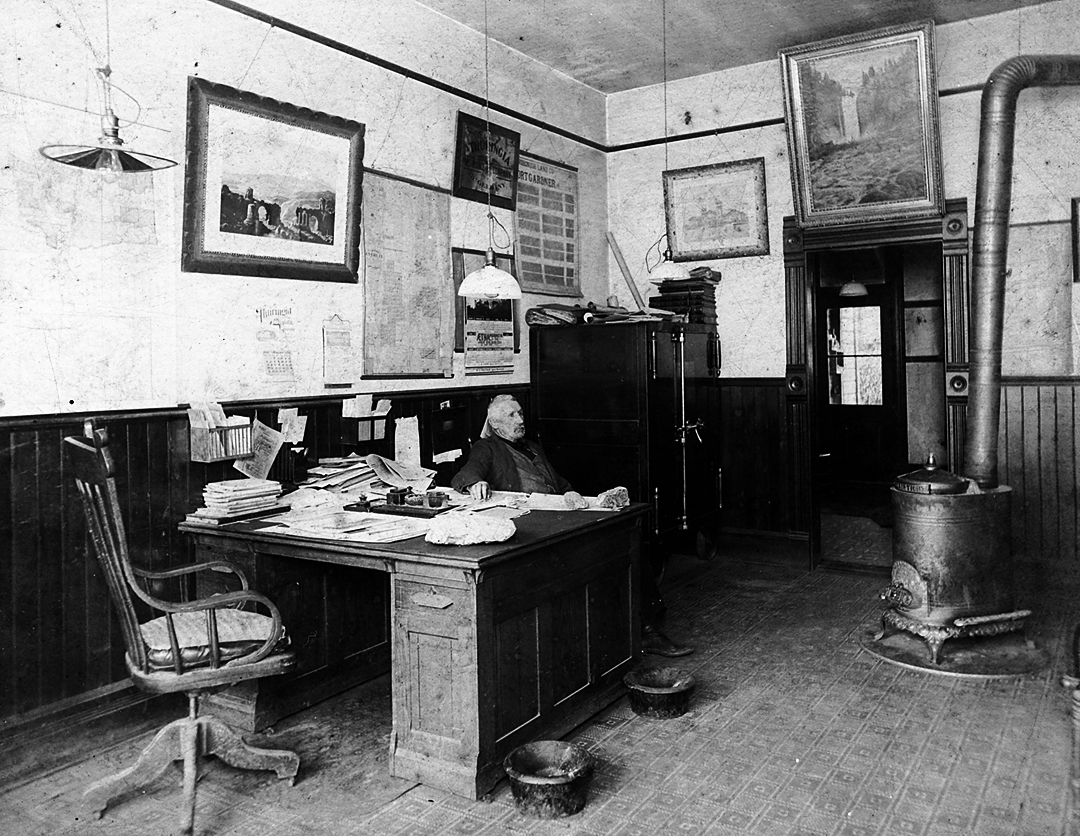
(931, 479)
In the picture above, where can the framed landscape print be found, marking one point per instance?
(270, 189)
(486, 162)
(717, 211)
(862, 126)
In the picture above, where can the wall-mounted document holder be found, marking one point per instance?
(215, 438)
(362, 423)
(367, 429)
(218, 444)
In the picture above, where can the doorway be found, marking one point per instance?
(878, 346)
(860, 401)
(876, 316)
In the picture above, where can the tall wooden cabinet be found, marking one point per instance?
(634, 405)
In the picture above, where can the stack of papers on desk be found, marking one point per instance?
(348, 474)
(366, 475)
(512, 504)
(356, 526)
(237, 499)
(556, 502)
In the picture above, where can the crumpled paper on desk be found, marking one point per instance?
(400, 475)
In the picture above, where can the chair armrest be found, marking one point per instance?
(211, 565)
(224, 601)
(217, 601)
(222, 566)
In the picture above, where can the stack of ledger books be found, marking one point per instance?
(237, 499)
(694, 298)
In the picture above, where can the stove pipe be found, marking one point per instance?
(993, 198)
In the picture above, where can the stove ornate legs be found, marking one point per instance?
(934, 641)
(935, 635)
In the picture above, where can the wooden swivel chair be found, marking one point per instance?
(195, 647)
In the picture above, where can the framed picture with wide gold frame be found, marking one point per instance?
(862, 122)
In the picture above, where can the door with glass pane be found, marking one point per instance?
(860, 404)
(859, 401)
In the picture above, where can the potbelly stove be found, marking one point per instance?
(952, 574)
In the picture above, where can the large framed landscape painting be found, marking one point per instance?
(270, 189)
(862, 124)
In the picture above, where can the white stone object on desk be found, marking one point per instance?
(614, 498)
(462, 528)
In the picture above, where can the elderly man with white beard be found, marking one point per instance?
(505, 460)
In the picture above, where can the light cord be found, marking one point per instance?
(663, 38)
(489, 180)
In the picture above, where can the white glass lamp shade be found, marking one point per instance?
(490, 282)
(668, 270)
(853, 289)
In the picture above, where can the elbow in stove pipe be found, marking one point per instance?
(993, 197)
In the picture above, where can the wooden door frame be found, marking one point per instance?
(800, 379)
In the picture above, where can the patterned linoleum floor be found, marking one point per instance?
(793, 730)
(858, 541)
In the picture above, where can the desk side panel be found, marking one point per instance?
(435, 739)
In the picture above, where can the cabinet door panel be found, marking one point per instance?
(592, 469)
(587, 373)
(610, 641)
(517, 696)
(569, 645)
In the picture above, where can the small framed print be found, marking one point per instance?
(486, 162)
(717, 211)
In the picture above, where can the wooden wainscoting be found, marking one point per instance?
(1039, 457)
(754, 461)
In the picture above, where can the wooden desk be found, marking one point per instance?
(491, 646)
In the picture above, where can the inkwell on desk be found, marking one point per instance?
(410, 503)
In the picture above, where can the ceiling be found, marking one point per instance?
(614, 45)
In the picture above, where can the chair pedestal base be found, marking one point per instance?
(189, 738)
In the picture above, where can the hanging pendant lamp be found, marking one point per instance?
(668, 270)
(108, 154)
(489, 281)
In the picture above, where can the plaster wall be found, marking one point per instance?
(97, 314)
(1042, 313)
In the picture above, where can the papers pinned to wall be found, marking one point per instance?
(407, 441)
(338, 366)
(293, 425)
